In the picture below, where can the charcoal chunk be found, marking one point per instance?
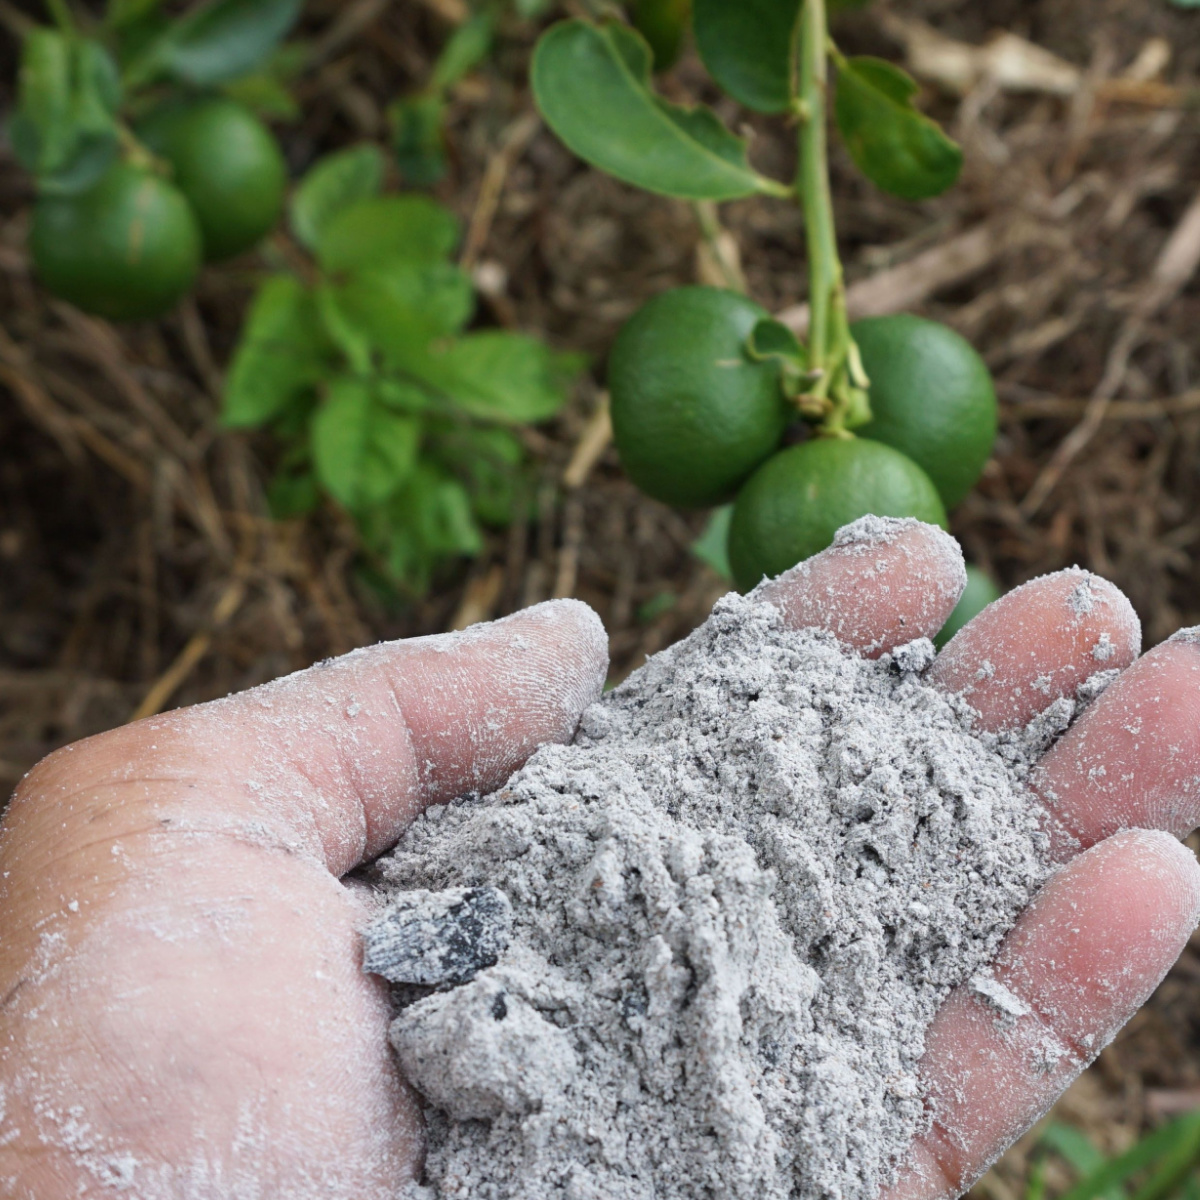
(436, 938)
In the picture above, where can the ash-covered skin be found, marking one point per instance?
(738, 900)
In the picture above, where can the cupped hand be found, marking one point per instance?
(183, 1013)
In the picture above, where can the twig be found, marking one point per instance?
(593, 441)
(1176, 262)
(1042, 407)
(567, 575)
(479, 598)
(350, 22)
(190, 656)
(518, 135)
(718, 259)
(195, 339)
(910, 283)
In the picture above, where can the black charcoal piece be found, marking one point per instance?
(435, 938)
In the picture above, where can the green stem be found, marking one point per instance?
(829, 342)
(813, 180)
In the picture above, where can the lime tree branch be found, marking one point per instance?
(831, 354)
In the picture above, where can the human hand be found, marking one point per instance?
(182, 1009)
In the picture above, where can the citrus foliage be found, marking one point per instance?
(364, 368)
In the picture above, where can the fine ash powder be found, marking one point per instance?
(694, 954)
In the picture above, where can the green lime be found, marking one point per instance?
(126, 248)
(227, 163)
(977, 595)
(797, 500)
(692, 415)
(931, 397)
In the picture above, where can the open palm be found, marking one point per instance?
(182, 1008)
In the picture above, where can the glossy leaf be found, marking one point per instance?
(408, 229)
(282, 353)
(749, 49)
(898, 148)
(217, 41)
(334, 183)
(592, 85)
(499, 376)
(363, 452)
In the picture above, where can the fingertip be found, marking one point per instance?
(1037, 643)
(1161, 861)
(883, 582)
(573, 635)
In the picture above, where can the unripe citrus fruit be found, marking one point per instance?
(931, 397)
(692, 415)
(796, 501)
(126, 248)
(977, 595)
(227, 163)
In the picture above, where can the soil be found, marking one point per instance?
(138, 568)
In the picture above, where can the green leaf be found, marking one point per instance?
(282, 353)
(499, 376)
(217, 41)
(428, 520)
(293, 489)
(772, 339)
(592, 85)
(363, 452)
(467, 46)
(749, 48)
(402, 396)
(397, 309)
(712, 546)
(489, 462)
(417, 138)
(898, 148)
(334, 183)
(1186, 3)
(65, 129)
(1160, 1144)
(265, 94)
(533, 8)
(344, 329)
(407, 229)
(1072, 1144)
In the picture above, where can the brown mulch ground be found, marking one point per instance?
(138, 567)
